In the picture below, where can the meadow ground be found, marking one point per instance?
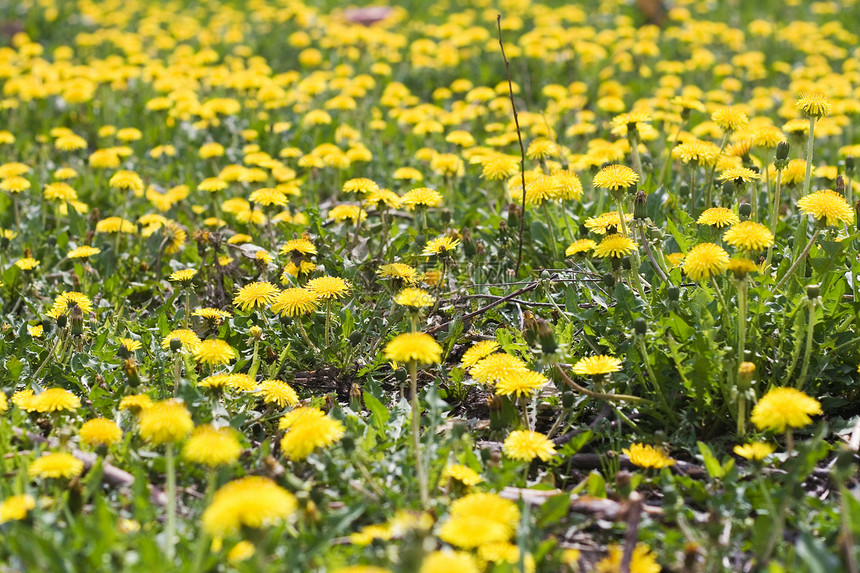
(299, 287)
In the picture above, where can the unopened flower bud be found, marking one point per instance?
(745, 210)
(546, 337)
(256, 332)
(812, 291)
(673, 293)
(175, 344)
(639, 211)
(840, 185)
(849, 165)
(640, 326)
(355, 397)
(609, 280)
(746, 371)
(780, 160)
(123, 351)
(130, 368)
(625, 263)
(77, 321)
(62, 321)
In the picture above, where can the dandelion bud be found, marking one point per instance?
(4, 243)
(355, 397)
(640, 326)
(530, 328)
(673, 293)
(256, 332)
(849, 165)
(780, 160)
(175, 344)
(77, 321)
(625, 263)
(130, 368)
(746, 371)
(123, 352)
(639, 201)
(840, 185)
(480, 249)
(445, 216)
(546, 337)
(812, 291)
(745, 210)
(62, 321)
(609, 280)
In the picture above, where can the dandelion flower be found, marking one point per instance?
(214, 351)
(705, 261)
(55, 400)
(187, 339)
(478, 351)
(16, 507)
(296, 302)
(756, 451)
(328, 287)
(615, 177)
(814, 104)
(463, 474)
(718, 217)
(277, 392)
(83, 252)
(525, 446)
(421, 197)
(614, 246)
(414, 297)
(580, 246)
(596, 365)
(490, 506)
(416, 346)
(783, 408)
(828, 205)
(212, 446)
(646, 456)
(472, 531)
(256, 294)
(643, 560)
(165, 422)
(729, 117)
(135, 402)
(739, 175)
(253, 502)
(295, 247)
(99, 432)
(747, 236)
(496, 367)
(182, 276)
(56, 465)
(448, 561)
(308, 434)
(521, 384)
(400, 271)
(440, 246)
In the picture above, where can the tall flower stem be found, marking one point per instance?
(774, 216)
(327, 321)
(416, 438)
(643, 350)
(551, 227)
(305, 336)
(807, 353)
(633, 139)
(171, 505)
(807, 178)
(723, 304)
(743, 290)
(177, 372)
(635, 258)
(799, 260)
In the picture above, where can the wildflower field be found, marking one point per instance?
(450, 287)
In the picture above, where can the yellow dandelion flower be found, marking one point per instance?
(135, 402)
(56, 465)
(596, 365)
(252, 502)
(27, 263)
(414, 297)
(783, 408)
(99, 432)
(256, 294)
(646, 456)
(521, 384)
(440, 246)
(705, 261)
(748, 236)
(328, 287)
(446, 561)
(399, 271)
(416, 346)
(525, 446)
(83, 252)
(308, 434)
(421, 197)
(16, 507)
(756, 451)
(187, 338)
(615, 246)
(814, 103)
(615, 177)
(214, 351)
(164, 422)
(729, 117)
(828, 205)
(497, 367)
(478, 351)
(296, 302)
(182, 276)
(718, 217)
(277, 392)
(643, 560)
(55, 400)
(463, 474)
(212, 446)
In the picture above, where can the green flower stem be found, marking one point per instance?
(416, 437)
(177, 372)
(551, 227)
(327, 321)
(643, 350)
(807, 179)
(633, 139)
(305, 336)
(754, 201)
(693, 191)
(774, 216)
(255, 359)
(658, 268)
(743, 290)
(187, 305)
(669, 149)
(171, 505)
(797, 262)
(723, 304)
(636, 263)
(713, 170)
(807, 353)
(200, 547)
(777, 524)
(524, 406)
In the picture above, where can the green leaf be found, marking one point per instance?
(712, 465)
(379, 414)
(553, 509)
(596, 485)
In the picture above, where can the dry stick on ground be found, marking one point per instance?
(631, 536)
(484, 309)
(522, 149)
